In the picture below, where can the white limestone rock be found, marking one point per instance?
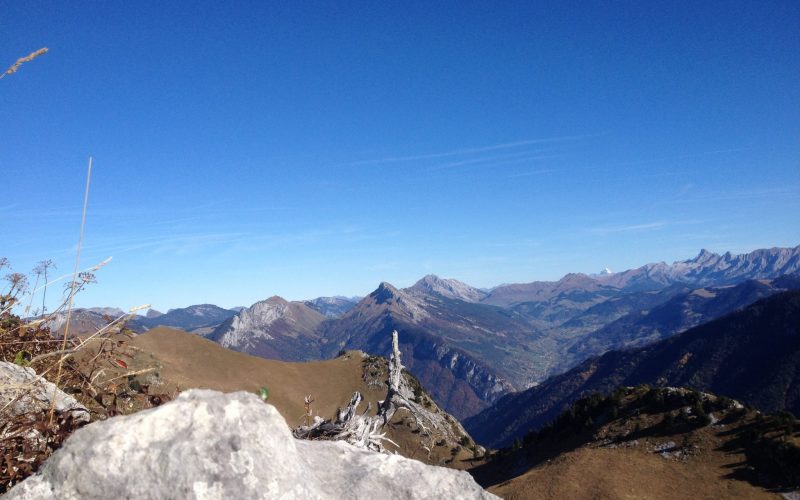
(209, 445)
(22, 391)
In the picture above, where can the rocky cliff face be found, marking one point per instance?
(209, 445)
(275, 329)
(448, 288)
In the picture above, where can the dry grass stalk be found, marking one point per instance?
(72, 291)
(22, 60)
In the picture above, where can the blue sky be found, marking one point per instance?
(303, 149)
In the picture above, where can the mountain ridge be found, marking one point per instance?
(750, 355)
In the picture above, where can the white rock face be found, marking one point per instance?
(449, 288)
(253, 323)
(22, 391)
(209, 445)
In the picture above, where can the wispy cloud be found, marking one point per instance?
(524, 242)
(681, 157)
(496, 161)
(530, 173)
(465, 151)
(739, 195)
(650, 226)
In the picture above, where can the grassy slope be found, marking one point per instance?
(618, 456)
(629, 473)
(189, 361)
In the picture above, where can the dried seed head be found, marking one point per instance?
(22, 60)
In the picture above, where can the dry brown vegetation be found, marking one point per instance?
(651, 443)
(94, 369)
(189, 361)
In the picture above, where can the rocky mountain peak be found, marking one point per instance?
(384, 293)
(270, 323)
(449, 288)
(106, 311)
(575, 278)
(152, 313)
(277, 299)
(704, 256)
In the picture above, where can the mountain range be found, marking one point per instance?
(752, 355)
(471, 346)
(191, 319)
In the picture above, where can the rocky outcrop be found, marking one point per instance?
(22, 391)
(206, 444)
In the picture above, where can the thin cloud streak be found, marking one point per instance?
(680, 157)
(625, 229)
(534, 172)
(750, 194)
(497, 160)
(467, 151)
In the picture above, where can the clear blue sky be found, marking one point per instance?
(317, 148)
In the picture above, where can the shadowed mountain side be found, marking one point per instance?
(463, 353)
(618, 307)
(751, 355)
(678, 314)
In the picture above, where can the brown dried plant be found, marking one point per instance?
(94, 370)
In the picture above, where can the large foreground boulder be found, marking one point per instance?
(209, 445)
